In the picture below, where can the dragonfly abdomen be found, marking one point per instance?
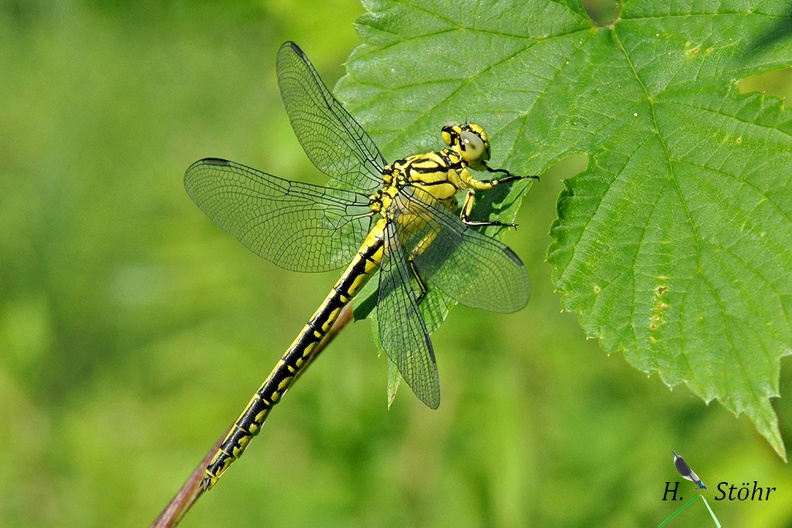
(298, 355)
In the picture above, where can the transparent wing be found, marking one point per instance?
(402, 330)
(297, 226)
(472, 268)
(336, 144)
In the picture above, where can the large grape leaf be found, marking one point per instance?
(675, 245)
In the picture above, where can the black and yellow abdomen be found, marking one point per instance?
(297, 356)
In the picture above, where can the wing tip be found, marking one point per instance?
(434, 404)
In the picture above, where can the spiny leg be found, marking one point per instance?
(485, 185)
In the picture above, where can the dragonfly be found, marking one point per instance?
(401, 221)
(684, 470)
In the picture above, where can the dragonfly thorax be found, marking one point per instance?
(441, 174)
(437, 173)
(381, 200)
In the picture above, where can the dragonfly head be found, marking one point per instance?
(469, 141)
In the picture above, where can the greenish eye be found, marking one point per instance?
(472, 145)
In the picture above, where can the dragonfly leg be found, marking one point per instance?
(467, 208)
(474, 185)
(509, 176)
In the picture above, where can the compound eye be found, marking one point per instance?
(472, 146)
(449, 133)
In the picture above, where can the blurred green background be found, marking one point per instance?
(133, 331)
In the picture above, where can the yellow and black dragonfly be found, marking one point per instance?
(401, 220)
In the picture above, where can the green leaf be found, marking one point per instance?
(675, 245)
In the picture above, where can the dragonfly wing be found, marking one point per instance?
(470, 267)
(336, 144)
(294, 225)
(402, 330)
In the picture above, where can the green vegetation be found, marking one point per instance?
(122, 307)
(674, 244)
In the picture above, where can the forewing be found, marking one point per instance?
(294, 225)
(402, 330)
(336, 144)
(470, 267)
